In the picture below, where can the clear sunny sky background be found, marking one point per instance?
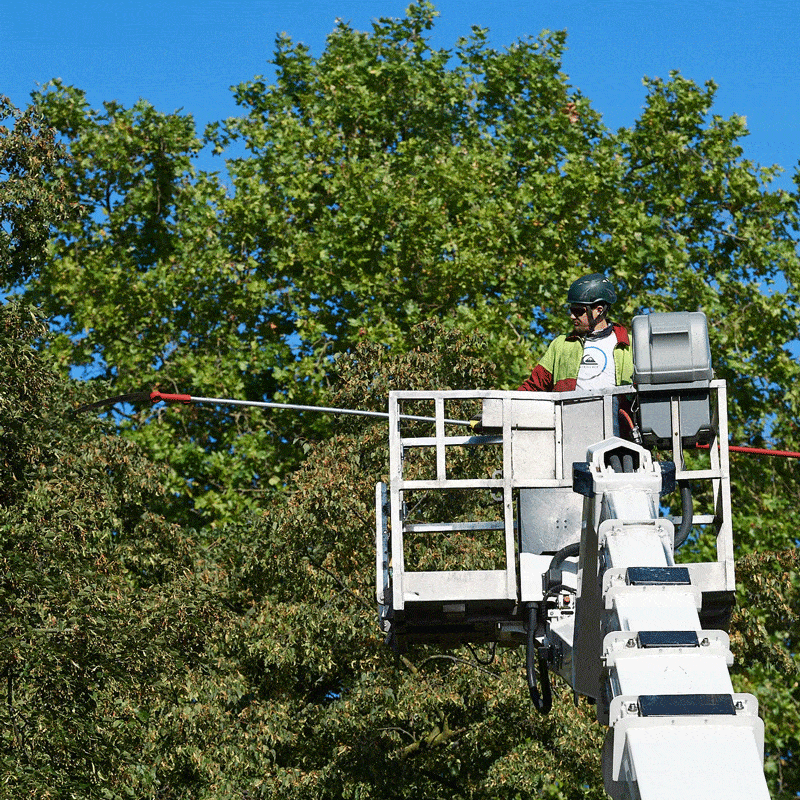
(186, 55)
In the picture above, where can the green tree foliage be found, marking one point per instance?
(383, 183)
(149, 294)
(148, 660)
(765, 635)
(31, 205)
(87, 642)
(140, 659)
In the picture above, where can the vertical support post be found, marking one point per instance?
(608, 415)
(441, 462)
(382, 558)
(677, 442)
(508, 503)
(723, 486)
(395, 478)
(559, 465)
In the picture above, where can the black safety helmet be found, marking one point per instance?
(592, 289)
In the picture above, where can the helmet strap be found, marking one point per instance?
(595, 321)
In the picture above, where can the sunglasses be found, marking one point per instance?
(578, 311)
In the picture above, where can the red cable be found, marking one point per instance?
(759, 451)
(628, 419)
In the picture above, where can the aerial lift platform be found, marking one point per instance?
(568, 553)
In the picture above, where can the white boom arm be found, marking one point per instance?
(678, 730)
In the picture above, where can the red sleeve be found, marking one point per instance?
(540, 380)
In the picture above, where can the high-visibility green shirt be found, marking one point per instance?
(558, 369)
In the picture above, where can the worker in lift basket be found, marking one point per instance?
(597, 352)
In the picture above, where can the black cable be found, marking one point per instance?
(561, 587)
(478, 660)
(570, 551)
(687, 514)
(543, 701)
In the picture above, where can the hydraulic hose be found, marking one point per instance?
(570, 551)
(542, 701)
(624, 464)
(553, 572)
(756, 451)
(687, 513)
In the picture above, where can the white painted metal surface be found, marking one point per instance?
(702, 759)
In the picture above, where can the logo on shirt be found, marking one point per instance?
(593, 363)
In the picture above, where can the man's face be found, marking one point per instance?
(583, 315)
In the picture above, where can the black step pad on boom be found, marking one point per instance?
(668, 639)
(681, 705)
(658, 576)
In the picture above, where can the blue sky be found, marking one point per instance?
(186, 55)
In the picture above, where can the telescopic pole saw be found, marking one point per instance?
(187, 399)
(156, 397)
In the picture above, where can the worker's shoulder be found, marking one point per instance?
(567, 339)
(621, 332)
(563, 344)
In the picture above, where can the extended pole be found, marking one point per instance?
(187, 399)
